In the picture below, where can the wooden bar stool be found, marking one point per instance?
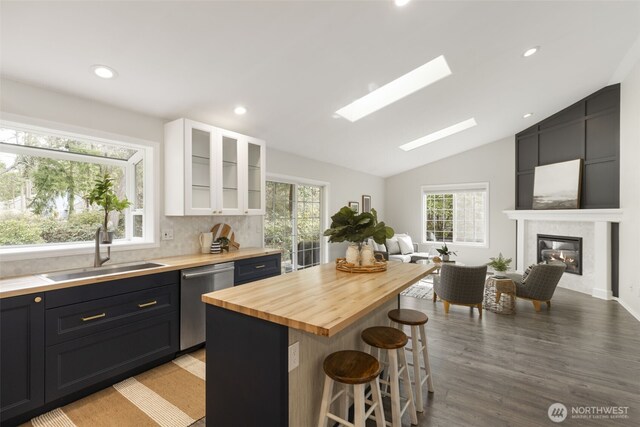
(417, 321)
(355, 368)
(391, 340)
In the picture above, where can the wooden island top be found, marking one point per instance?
(320, 300)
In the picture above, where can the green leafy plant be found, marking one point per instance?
(349, 227)
(444, 250)
(223, 241)
(499, 263)
(104, 195)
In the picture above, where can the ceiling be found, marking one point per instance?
(293, 64)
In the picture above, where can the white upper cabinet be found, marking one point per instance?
(212, 171)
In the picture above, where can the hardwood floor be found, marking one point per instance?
(502, 370)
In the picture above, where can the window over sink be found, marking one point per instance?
(45, 178)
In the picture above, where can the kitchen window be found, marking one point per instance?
(294, 223)
(45, 178)
(456, 214)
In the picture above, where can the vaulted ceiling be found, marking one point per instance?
(293, 64)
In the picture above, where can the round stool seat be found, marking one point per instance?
(351, 367)
(384, 337)
(408, 317)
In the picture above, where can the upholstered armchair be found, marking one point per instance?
(540, 284)
(460, 285)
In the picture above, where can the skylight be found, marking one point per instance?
(413, 81)
(442, 133)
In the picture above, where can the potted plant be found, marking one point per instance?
(347, 226)
(104, 196)
(224, 243)
(445, 252)
(499, 264)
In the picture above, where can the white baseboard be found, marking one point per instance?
(629, 309)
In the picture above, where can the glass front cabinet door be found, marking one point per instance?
(254, 195)
(199, 150)
(229, 193)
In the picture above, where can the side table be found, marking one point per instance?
(494, 290)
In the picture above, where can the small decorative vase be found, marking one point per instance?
(366, 255)
(353, 254)
(445, 258)
(107, 237)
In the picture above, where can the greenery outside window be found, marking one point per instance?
(456, 214)
(45, 178)
(294, 223)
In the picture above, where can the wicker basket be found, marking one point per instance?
(376, 267)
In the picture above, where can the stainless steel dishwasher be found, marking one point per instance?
(193, 283)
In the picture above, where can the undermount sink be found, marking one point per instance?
(60, 276)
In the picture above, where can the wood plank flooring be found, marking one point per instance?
(502, 370)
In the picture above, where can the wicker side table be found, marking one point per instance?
(500, 295)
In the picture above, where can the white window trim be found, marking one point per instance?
(324, 200)
(152, 192)
(452, 188)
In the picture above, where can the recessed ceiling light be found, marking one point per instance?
(442, 133)
(526, 116)
(103, 71)
(401, 3)
(531, 51)
(239, 110)
(413, 81)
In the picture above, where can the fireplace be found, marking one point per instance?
(561, 248)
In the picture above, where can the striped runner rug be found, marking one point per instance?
(170, 395)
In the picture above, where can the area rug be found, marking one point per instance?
(170, 395)
(423, 290)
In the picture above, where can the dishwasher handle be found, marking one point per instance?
(187, 276)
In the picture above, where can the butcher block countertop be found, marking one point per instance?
(24, 285)
(320, 300)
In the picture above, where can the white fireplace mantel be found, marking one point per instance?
(577, 215)
(601, 219)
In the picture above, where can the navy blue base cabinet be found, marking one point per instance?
(21, 355)
(252, 269)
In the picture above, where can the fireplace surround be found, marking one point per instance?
(561, 249)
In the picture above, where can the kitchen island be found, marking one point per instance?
(250, 329)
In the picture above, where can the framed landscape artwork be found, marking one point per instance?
(355, 206)
(557, 186)
(366, 203)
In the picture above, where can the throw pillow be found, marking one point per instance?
(377, 247)
(526, 272)
(392, 246)
(406, 244)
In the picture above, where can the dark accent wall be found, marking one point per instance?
(588, 130)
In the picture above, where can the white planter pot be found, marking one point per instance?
(353, 255)
(366, 255)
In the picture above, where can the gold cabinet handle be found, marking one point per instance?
(37, 299)
(147, 304)
(260, 266)
(97, 316)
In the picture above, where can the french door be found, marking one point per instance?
(293, 222)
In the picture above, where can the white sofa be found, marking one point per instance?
(400, 247)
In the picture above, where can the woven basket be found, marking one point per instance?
(376, 267)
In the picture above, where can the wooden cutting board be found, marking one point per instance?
(224, 230)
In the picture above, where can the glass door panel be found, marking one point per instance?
(254, 176)
(200, 169)
(230, 173)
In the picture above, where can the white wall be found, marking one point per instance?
(630, 191)
(345, 185)
(493, 163)
(42, 104)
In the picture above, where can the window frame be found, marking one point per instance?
(151, 189)
(456, 188)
